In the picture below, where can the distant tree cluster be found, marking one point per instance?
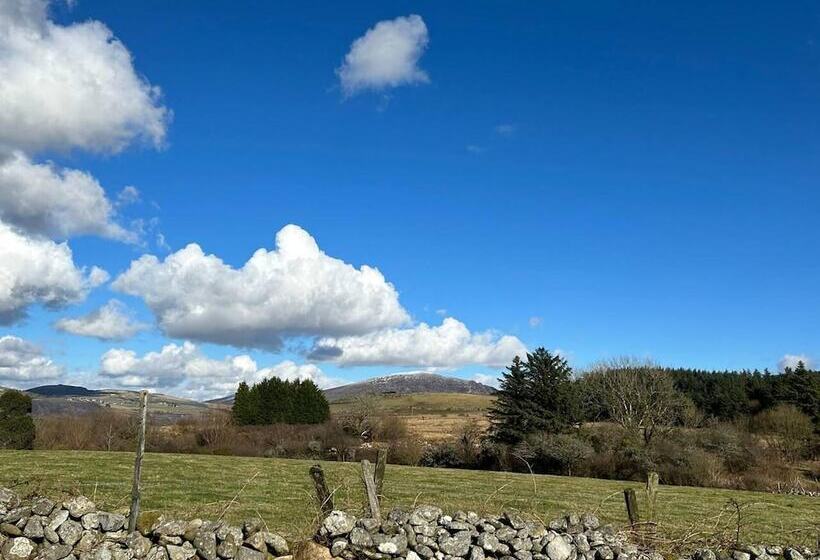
(16, 426)
(274, 401)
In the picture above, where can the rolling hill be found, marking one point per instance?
(408, 383)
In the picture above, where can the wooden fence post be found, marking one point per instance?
(381, 464)
(652, 495)
(368, 475)
(322, 494)
(631, 506)
(135, 487)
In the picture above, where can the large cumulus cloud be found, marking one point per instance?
(295, 289)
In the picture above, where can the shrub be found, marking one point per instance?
(559, 453)
(442, 454)
(787, 429)
(16, 426)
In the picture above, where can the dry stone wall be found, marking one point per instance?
(42, 529)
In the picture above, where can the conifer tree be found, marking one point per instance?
(508, 420)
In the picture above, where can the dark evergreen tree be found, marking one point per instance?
(535, 396)
(275, 401)
(16, 426)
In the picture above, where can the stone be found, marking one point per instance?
(488, 542)
(310, 550)
(205, 543)
(57, 518)
(477, 553)
(169, 527)
(54, 552)
(740, 555)
(122, 554)
(424, 551)
(230, 534)
(558, 549)
(42, 506)
(257, 542)
(425, 514)
(523, 555)
(277, 544)
(227, 549)
(412, 556)
(139, 544)
(157, 553)
(8, 499)
(395, 545)
(582, 544)
(775, 550)
(793, 554)
(79, 506)
(184, 552)
(506, 534)
(34, 527)
(18, 548)
(110, 522)
(338, 547)
(10, 530)
(17, 514)
(515, 520)
(605, 553)
(90, 521)
(455, 546)
(88, 540)
(338, 523)
(70, 532)
(399, 516)
(521, 544)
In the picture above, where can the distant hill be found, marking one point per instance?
(62, 391)
(409, 383)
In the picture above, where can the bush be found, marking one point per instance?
(16, 426)
(441, 455)
(787, 429)
(558, 453)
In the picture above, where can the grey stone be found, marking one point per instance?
(412, 556)
(54, 552)
(455, 546)
(244, 553)
(139, 544)
(169, 527)
(8, 499)
(338, 523)
(79, 506)
(110, 522)
(122, 554)
(740, 555)
(793, 554)
(369, 524)
(17, 514)
(276, 543)
(399, 516)
(10, 530)
(506, 534)
(205, 543)
(227, 549)
(70, 532)
(42, 506)
(523, 555)
(395, 545)
(604, 553)
(88, 540)
(515, 520)
(558, 549)
(251, 527)
(521, 544)
(424, 551)
(775, 550)
(157, 553)
(34, 527)
(425, 514)
(581, 543)
(18, 548)
(57, 518)
(184, 552)
(257, 542)
(90, 521)
(338, 547)
(360, 538)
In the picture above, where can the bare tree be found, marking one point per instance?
(638, 395)
(361, 416)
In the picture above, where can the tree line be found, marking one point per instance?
(276, 401)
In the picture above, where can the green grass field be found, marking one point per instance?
(279, 491)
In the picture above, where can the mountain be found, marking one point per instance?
(409, 383)
(62, 391)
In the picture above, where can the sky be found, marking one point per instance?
(198, 193)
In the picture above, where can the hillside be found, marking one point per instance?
(409, 383)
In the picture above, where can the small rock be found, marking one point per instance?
(110, 522)
(488, 542)
(17, 514)
(276, 543)
(424, 551)
(18, 548)
(70, 532)
(476, 553)
(740, 555)
(184, 552)
(605, 553)
(425, 514)
(205, 543)
(139, 544)
(227, 549)
(10, 530)
(257, 541)
(8, 499)
(79, 506)
(338, 523)
(169, 527)
(157, 553)
(515, 520)
(34, 527)
(310, 550)
(54, 552)
(338, 547)
(88, 540)
(360, 538)
(559, 549)
(42, 506)
(455, 546)
(412, 556)
(793, 554)
(91, 521)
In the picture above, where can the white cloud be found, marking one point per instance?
(293, 290)
(109, 322)
(449, 345)
(38, 270)
(484, 379)
(71, 86)
(44, 199)
(791, 361)
(185, 370)
(535, 321)
(505, 129)
(386, 56)
(23, 362)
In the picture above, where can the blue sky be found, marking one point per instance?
(602, 179)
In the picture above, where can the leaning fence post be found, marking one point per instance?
(652, 495)
(370, 489)
(378, 476)
(135, 487)
(322, 494)
(631, 506)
